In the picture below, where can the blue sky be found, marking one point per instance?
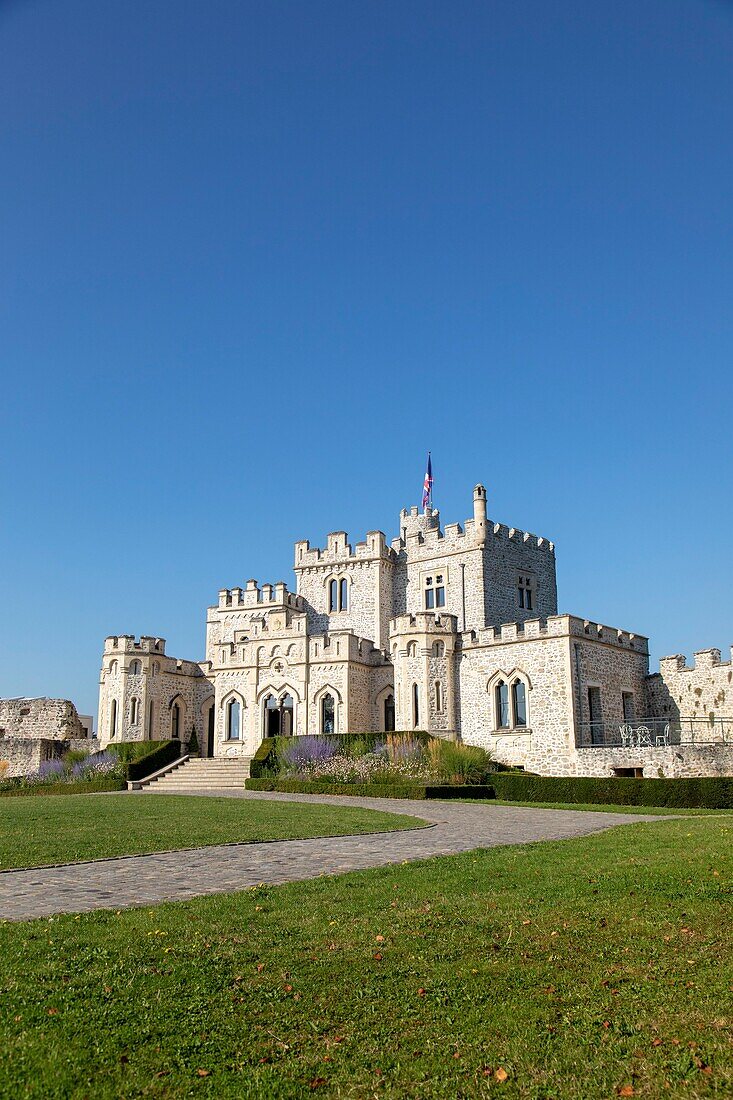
(259, 257)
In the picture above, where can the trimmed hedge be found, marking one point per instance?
(90, 786)
(127, 751)
(261, 762)
(708, 793)
(368, 790)
(165, 753)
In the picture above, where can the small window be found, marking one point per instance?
(135, 667)
(438, 697)
(501, 700)
(233, 720)
(438, 649)
(113, 668)
(175, 721)
(333, 592)
(415, 706)
(150, 721)
(525, 592)
(434, 591)
(338, 594)
(343, 594)
(412, 649)
(627, 701)
(628, 773)
(389, 714)
(328, 714)
(113, 719)
(134, 711)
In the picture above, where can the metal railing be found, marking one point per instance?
(650, 733)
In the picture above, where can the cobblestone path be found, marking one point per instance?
(173, 876)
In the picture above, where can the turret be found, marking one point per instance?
(479, 509)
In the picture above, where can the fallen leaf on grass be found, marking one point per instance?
(501, 1075)
(625, 1090)
(203, 1072)
(317, 1082)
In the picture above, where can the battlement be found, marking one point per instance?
(253, 596)
(128, 643)
(423, 530)
(338, 550)
(702, 658)
(555, 626)
(343, 645)
(424, 622)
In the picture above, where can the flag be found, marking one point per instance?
(427, 489)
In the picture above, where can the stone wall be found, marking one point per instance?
(24, 755)
(40, 718)
(671, 762)
(703, 690)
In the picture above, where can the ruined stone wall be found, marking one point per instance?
(40, 718)
(703, 690)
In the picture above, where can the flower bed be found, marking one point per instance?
(383, 760)
(77, 772)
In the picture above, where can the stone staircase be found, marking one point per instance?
(203, 774)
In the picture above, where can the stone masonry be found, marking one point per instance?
(452, 630)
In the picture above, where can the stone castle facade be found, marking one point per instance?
(455, 631)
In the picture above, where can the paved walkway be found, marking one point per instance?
(174, 876)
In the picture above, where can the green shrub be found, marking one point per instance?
(133, 750)
(193, 743)
(264, 760)
(368, 790)
(87, 786)
(452, 762)
(165, 753)
(711, 793)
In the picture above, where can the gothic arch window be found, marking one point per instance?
(389, 714)
(135, 667)
(113, 719)
(233, 720)
(151, 715)
(438, 649)
(412, 649)
(328, 713)
(438, 697)
(519, 702)
(176, 721)
(510, 694)
(156, 668)
(501, 704)
(338, 594)
(113, 668)
(415, 706)
(134, 710)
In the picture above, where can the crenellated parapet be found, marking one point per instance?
(702, 659)
(338, 550)
(422, 529)
(128, 644)
(555, 626)
(423, 622)
(252, 596)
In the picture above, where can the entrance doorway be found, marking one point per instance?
(279, 716)
(389, 714)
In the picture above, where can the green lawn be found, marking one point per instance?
(65, 828)
(580, 969)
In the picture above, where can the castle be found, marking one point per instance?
(455, 631)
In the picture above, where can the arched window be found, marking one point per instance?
(233, 719)
(415, 706)
(412, 649)
(113, 718)
(176, 721)
(438, 649)
(519, 702)
(501, 701)
(328, 714)
(343, 594)
(389, 714)
(150, 721)
(134, 711)
(438, 697)
(113, 668)
(135, 667)
(333, 595)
